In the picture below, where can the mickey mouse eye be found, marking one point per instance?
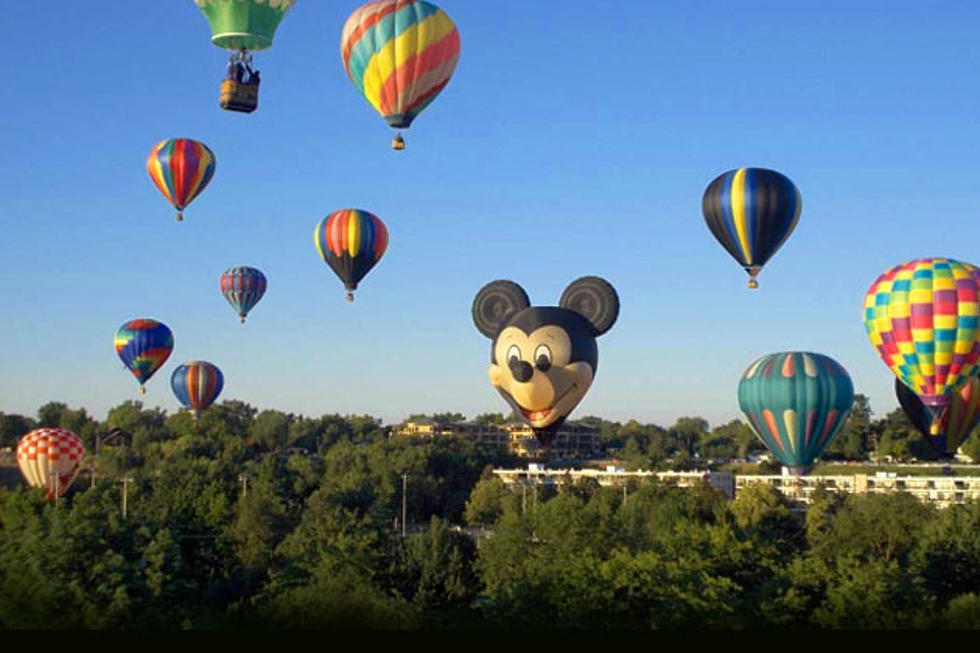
(513, 352)
(542, 358)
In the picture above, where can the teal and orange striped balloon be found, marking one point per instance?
(399, 54)
(196, 384)
(923, 318)
(796, 402)
(351, 242)
(751, 212)
(181, 168)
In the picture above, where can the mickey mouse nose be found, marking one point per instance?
(521, 370)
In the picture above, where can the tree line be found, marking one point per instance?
(230, 524)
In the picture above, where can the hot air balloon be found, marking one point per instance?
(196, 384)
(242, 26)
(181, 168)
(144, 346)
(922, 318)
(50, 458)
(956, 424)
(351, 241)
(543, 359)
(796, 402)
(399, 54)
(751, 211)
(243, 287)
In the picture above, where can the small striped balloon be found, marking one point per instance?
(196, 384)
(50, 458)
(243, 287)
(180, 168)
(923, 318)
(351, 242)
(796, 402)
(144, 345)
(399, 54)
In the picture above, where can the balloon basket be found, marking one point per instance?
(398, 143)
(142, 390)
(180, 216)
(236, 96)
(350, 296)
(753, 284)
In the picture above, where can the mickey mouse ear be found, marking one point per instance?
(496, 302)
(595, 300)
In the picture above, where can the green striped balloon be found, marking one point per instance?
(796, 402)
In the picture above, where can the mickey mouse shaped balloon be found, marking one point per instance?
(543, 359)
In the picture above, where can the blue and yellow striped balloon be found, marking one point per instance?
(751, 211)
(796, 402)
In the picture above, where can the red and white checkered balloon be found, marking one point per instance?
(45, 455)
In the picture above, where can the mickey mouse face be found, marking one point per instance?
(544, 358)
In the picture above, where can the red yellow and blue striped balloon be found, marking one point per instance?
(399, 54)
(796, 402)
(144, 345)
(351, 242)
(955, 425)
(196, 384)
(243, 287)
(181, 168)
(751, 211)
(923, 318)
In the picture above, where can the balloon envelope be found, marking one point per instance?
(144, 345)
(351, 242)
(796, 402)
(922, 318)
(196, 384)
(50, 458)
(751, 212)
(243, 287)
(955, 424)
(248, 24)
(180, 168)
(399, 54)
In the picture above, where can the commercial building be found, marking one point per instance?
(573, 440)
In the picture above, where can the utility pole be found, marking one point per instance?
(524, 498)
(404, 505)
(624, 493)
(96, 458)
(126, 480)
(244, 480)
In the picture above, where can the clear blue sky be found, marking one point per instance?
(569, 142)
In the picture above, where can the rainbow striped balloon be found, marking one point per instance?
(922, 318)
(796, 402)
(243, 287)
(351, 242)
(181, 168)
(144, 345)
(956, 425)
(399, 54)
(751, 212)
(196, 384)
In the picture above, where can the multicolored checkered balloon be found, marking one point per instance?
(50, 458)
(922, 318)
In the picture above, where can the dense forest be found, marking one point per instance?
(249, 519)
